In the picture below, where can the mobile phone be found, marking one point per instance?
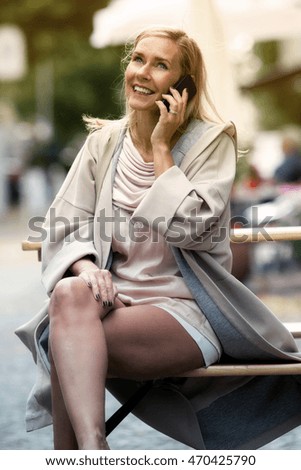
(184, 82)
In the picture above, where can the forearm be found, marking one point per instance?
(163, 159)
(184, 212)
(82, 264)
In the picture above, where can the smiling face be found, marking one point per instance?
(153, 69)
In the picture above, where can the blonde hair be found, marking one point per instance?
(192, 63)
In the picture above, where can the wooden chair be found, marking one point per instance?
(238, 235)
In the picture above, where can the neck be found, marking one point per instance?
(144, 123)
(141, 130)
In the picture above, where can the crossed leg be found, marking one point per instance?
(87, 345)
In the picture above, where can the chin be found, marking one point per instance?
(136, 106)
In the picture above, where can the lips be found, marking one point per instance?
(142, 90)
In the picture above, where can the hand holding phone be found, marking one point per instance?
(184, 82)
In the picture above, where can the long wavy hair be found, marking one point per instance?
(192, 63)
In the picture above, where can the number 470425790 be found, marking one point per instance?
(223, 460)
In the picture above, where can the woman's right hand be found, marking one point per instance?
(98, 280)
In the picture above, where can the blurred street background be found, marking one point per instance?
(60, 61)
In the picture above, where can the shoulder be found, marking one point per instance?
(223, 136)
(106, 127)
(205, 134)
(223, 129)
(104, 133)
(210, 129)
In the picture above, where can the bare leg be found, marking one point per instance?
(154, 344)
(63, 434)
(79, 353)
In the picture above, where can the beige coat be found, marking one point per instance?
(194, 193)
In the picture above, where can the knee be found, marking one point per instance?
(68, 292)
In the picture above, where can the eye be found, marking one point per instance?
(162, 65)
(137, 58)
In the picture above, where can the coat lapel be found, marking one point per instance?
(104, 220)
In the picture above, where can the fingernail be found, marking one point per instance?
(110, 304)
(104, 304)
(97, 297)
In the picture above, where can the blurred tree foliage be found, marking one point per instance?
(85, 80)
(82, 80)
(278, 100)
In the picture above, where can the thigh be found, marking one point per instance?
(146, 342)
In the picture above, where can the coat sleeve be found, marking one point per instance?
(186, 207)
(68, 226)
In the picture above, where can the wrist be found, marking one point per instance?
(163, 160)
(82, 265)
(160, 147)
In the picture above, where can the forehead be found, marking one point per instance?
(164, 48)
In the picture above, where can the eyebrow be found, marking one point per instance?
(158, 59)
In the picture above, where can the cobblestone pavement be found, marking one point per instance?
(21, 296)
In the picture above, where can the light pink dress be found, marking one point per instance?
(144, 269)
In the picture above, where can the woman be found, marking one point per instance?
(143, 213)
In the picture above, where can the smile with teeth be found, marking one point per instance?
(142, 90)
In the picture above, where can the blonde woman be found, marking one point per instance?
(137, 263)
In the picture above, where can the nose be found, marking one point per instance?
(144, 72)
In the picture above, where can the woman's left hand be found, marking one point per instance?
(171, 120)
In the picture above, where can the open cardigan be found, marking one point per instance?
(204, 413)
